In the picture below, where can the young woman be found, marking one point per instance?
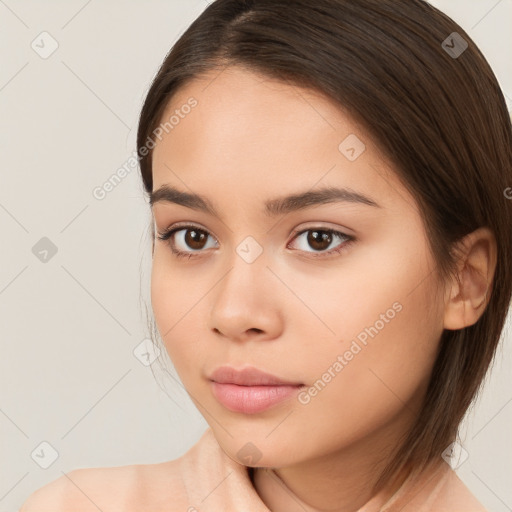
(330, 186)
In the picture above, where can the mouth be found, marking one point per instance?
(250, 390)
(248, 376)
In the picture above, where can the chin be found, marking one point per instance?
(253, 447)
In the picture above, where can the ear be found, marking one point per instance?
(466, 299)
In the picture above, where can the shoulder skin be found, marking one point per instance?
(133, 488)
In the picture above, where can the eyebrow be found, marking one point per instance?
(273, 207)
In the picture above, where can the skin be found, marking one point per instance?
(251, 139)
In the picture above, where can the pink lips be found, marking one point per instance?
(250, 390)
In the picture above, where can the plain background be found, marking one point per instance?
(69, 325)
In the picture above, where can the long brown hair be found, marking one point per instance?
(432, 105)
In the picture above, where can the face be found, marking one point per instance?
(332, 295)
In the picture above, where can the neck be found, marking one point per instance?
(341, 481)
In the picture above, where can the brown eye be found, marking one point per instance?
(189, 241)
(185, 241)
(319, 240)
(195, 238)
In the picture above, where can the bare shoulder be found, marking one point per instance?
(457, 497)
(137, 487)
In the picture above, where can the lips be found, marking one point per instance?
(249, 390)
(248, 376)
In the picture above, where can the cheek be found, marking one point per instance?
(173, 300)
(387, 329)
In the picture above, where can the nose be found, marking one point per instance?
(245, 303)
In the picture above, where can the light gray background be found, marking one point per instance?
(69, 326)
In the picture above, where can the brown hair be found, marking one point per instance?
(440, 117)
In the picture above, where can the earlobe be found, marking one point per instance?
(468, 296)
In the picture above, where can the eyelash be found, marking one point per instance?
(166, 235)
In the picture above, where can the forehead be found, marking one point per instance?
(260, 136)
